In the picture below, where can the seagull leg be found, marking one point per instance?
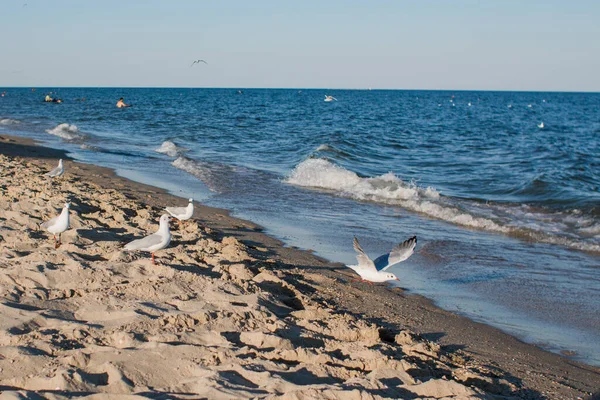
(57, 244)
(153, 262)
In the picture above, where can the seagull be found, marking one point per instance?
(330, 98)
(374, 271)
(58, 171)
(58, 225)
(156, 241)
(182, 213)
(197, 62)
(541, 125)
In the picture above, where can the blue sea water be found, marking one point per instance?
(506, 210)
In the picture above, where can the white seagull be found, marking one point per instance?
(374, 271)
(156, 241)
(541, 125)
(197, 62)
(182, 213)
(58, 225)
(58, 171)
(330, 98)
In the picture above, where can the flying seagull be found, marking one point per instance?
(197, 62)
(374, 271)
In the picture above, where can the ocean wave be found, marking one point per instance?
(66, 131)
(323, 147)
(8, 121)
(171, 149)
(321, 173)
(386, 189)
(327, 148)
(391, 190)
(198, 169)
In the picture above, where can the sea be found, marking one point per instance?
(502, 189)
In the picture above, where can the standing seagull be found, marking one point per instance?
(58, 171)
(156, 241)
(58, 225)
(197, 62)
(182, 213)
(374, 271)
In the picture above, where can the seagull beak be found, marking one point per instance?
(397, 278)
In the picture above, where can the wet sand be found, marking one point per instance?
(228, 313)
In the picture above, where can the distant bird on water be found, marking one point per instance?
(197, 62)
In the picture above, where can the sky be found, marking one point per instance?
(533, 45)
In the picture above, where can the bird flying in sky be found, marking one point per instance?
(197, 62)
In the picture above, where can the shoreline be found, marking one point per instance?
(501, 364)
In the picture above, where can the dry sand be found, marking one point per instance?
(228, 312)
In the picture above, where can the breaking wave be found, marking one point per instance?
(171, 149)
(8, 121)
(391, 190)
(200, 170)
(66, 131)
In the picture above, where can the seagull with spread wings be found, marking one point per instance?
(374, 271)
(197, 62)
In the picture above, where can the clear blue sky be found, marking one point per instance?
(394, 44)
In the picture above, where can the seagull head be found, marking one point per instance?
(391, 277)
(191, 200)
(67, 205)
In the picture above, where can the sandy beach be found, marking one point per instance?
(228, 312)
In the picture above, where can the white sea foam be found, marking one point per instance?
(323, 147)
(389, 189)
(171, 149)
(8, 121)
(198, 169)
(65, 131)
(591, 230)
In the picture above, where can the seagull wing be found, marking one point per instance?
(53, 172)
(144, 243)
(175, 211)
(49, 223)
(398, 254)
(364, 262)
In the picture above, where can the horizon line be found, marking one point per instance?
(301, 88)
